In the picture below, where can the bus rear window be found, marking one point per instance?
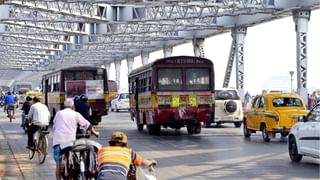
(84, 75)
(68, 76)
(197, 79)
(170, 79)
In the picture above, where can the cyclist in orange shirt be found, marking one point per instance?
(114, 160)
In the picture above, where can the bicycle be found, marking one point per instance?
(40, 144)
(25, 124)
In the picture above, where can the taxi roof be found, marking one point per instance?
(280, 94)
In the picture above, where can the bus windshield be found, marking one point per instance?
(170, 79)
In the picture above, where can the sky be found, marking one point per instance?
(269, 55)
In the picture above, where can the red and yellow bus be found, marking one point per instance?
(172, 92)
(75, 81)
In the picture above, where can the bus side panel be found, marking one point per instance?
(183, 110)
(99, 107)
(55, 102)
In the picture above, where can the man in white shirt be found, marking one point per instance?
(65, 125)
(39, 116)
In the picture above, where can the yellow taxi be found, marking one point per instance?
(273, 112)
(34, 93)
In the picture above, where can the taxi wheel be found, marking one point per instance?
(293, 150)
(246, 131)
(265, 134)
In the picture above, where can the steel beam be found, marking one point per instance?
(240, 33)
(230, 62)
(301, 18)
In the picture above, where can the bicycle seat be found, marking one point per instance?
(66, 145)
(81, 147)
(85, 143)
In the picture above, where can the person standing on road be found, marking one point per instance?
(38, 116)
(65, 125)
(114, 160)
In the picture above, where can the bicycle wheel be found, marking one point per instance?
(32, 151)
(42, 148)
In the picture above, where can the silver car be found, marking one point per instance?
(121, 102)
(304, 136)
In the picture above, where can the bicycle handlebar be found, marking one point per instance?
(152, 165)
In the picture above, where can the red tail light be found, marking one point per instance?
(238, 97)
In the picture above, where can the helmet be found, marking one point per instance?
(119, 137)
(76, 98)
(83, 97)
(28, 98)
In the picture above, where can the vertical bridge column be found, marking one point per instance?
(301, 18)
(130, 60)
(198, 47)
(144, 57)
(167, 51)
(117, 65)
(107, 66)
(240, 34)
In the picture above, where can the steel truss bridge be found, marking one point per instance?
(37, 36)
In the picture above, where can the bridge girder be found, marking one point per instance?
(73, 31)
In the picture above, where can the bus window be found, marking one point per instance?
(84, 75)
(68, 76)
(197, 79)
(170, 79)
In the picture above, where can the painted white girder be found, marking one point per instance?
(84, 31)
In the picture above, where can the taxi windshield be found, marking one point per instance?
(286, 101)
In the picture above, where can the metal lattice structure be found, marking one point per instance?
(43, 35)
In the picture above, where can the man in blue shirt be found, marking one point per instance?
(10, 102)
(82, 106)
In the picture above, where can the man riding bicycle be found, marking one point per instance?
(25, 110)
(39, 116)
(10, 103)
(65, 125)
